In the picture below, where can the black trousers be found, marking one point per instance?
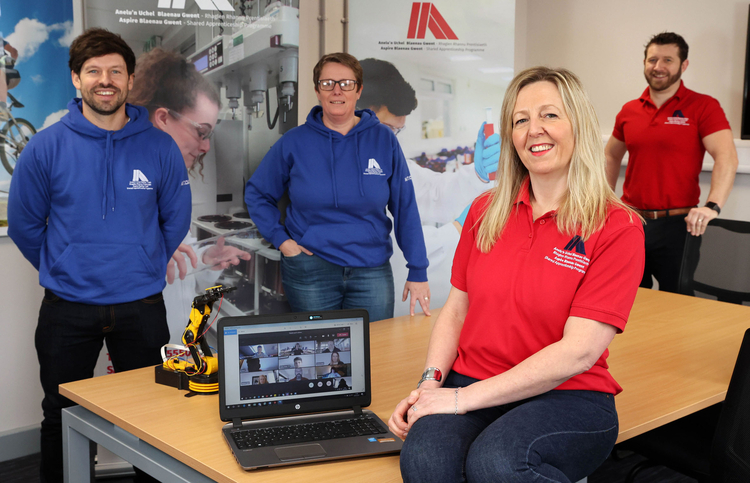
(665, 243)
(69, 338)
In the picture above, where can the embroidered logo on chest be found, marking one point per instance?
(677, 119)
(139, 182)
(373, 168)
(572, 257)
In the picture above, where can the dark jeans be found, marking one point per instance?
(557, 436)
(68, 340)
(665, 242)
(311, 283)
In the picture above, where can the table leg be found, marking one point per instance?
(76, 453)
(81, 426)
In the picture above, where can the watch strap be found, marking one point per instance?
(713, 206)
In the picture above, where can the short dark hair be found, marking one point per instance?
(96, 42)
(667, 38)
(386, 87)
(339, 58)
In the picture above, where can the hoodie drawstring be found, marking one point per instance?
(361, 174)
(333, 172)
(108, 184)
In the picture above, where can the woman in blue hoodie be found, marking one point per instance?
(342, 169)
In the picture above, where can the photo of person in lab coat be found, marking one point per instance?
(438, 195)
(182, 103)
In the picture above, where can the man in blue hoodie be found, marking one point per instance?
(98, 203)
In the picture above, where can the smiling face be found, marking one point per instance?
(338, 106)
(662, 67)
(185, 134)
(542, 132)
(104, 84)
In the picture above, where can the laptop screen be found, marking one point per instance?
(293, 363)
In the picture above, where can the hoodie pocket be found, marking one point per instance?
(85, 265)
(354, 244)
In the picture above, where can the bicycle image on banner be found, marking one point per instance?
(35, 82)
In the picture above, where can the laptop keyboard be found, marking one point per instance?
(304, 433)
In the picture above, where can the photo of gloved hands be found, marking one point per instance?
(486, 156)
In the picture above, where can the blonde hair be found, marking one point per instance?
(586, 202)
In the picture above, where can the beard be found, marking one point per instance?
(104, 108)
(662, 83)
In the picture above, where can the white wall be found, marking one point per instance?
(602, 41)
(21, 397)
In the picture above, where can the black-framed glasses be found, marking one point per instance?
(203, 131)
(344, 84)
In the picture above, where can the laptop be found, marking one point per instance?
(293, 387)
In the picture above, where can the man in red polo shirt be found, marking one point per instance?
(666, 133)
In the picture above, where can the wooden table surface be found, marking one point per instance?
(675, 357)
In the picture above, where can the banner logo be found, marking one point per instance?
(424, 15)
(212, 5)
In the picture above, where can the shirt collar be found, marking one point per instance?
(681, 91)
(523, 195)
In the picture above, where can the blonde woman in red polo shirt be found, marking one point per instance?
(516, 386)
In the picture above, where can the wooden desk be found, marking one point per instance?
(675, 357)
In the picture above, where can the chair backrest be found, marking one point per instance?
(730, 451)
(716, 265)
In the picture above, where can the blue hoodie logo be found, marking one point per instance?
(140, 181)
(374, 168)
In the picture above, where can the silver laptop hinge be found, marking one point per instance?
(236, 423)
(357, 411)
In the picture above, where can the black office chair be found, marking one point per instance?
(716, 265)
(712, 445)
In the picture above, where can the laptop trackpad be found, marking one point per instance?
(301, 452)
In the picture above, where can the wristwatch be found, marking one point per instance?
(431, 374)
(713, 206)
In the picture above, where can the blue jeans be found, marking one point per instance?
(69, 338)
(557, 436)
(311, 283)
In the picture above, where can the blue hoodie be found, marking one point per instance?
(99, 212)
(339, 188)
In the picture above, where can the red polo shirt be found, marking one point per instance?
(665, 147)
(522, 292)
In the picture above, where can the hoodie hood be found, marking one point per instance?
(367, 120)
(137, 123)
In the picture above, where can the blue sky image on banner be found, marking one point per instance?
(41, 31)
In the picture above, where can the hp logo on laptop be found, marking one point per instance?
(296, 406)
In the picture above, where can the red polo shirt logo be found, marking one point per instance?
(678, 119)
(572, 257)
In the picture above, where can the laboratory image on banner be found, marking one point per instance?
(436, 73)
(35, 38)
(247, 53)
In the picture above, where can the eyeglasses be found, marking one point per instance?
(395, 129)
(329, 84)
(203, 131)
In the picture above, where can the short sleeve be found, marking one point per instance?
(608, 289)
(712, 119)
(618, 131)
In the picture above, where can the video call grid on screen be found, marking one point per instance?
(295, 360)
